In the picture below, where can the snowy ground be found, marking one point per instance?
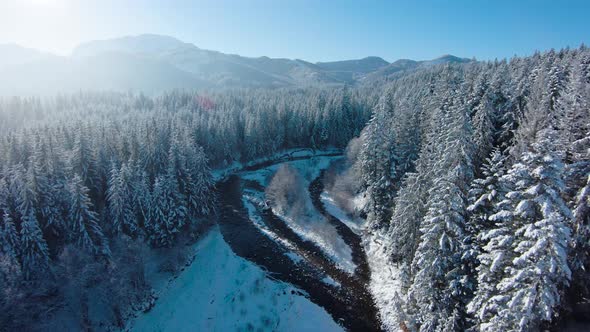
(220, 291)
(249, 200)
(355, 224)
(314, 228)
(308, 168)
(385, 278)
(236, 166)
(385, 283)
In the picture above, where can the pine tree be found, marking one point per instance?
(82, 159)
(85, 230)
(573, 112)
(378, 167)
(9, 237)
(439, 285)
(44, 191)
(580, 256)
(536, 228)
(34, 254)
(484, 131)
(168, 211)
(120, 200)
(404, 229)
(484, 195)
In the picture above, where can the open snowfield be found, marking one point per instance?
(220, 291)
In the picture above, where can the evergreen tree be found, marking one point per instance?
(484, 195)
(120, 200)
(538, 235)
(438, 287)
(9, 237)
(168, 213)
(34, 254)
(85, 230)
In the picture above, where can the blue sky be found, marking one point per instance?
(312, 30)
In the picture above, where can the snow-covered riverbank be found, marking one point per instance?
(220, 291)
(314, 228)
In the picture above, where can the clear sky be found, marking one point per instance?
(312, 30)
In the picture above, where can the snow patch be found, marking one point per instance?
(385, 284)
(294, 257)
(308, 168)
(356, 225)
(249, 202)
(329, 281)
(360, 201)
(236, 166)
(316, 229)
(220, 291)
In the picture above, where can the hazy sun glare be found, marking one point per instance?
(43, 2)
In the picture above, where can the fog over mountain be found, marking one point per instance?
(153, 63)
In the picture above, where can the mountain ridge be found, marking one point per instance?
(133, 59)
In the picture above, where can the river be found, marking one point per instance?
(350, 304)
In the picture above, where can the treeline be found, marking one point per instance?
(478, 177)
(81, 173)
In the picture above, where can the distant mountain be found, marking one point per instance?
(364, 65)
(405, 65)
(445, 59)
(219, 69)
(107, 72)
(143, 44)
(12, 54)
(152, 63)
(351, 70)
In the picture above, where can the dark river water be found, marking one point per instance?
(351, 305)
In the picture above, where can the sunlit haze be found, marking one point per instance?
(299, 29)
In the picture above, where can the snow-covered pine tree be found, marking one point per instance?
(82, 159)
(377, 165)
(140, 194)
(580, 255)
(45, 191)
(9, 237)
(34, 254)
(484, 130)
(573, 111)
(438, 287)
(202, 198)
(120, 200)
(83, 221)
(484, 195)
(404, 229)
(535, 224)
(168, 213)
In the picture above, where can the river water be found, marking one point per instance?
(351, 304)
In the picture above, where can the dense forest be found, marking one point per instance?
(95, 177)
(478, 182)
(476, 179)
